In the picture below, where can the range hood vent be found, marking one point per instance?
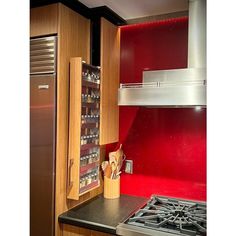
(178, 87)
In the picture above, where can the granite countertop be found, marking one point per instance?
(102, 214)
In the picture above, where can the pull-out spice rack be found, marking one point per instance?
(89, 141)
(84, 149)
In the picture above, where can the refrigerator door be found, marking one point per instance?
(42, 154)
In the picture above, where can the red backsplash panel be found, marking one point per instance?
(168, 142)
(167, 145)
(143, 185)
(152, 46)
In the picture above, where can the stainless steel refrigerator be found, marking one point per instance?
(42, 135)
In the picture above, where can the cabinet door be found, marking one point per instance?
(110, 75)
(70, 230)
(74, 128)
(44, 20)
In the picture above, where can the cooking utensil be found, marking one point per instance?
(120, 157)
(113, 168)
(113, 163)
(112, 158)
(117, 175)
(106, 167)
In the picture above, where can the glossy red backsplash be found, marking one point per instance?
(168, 149)
(167, 145)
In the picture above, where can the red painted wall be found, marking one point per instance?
(167, 146)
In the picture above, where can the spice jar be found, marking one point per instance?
(82, 182)
(89, 179)
(82, 140)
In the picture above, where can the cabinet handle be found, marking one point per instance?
(43, 86)
(71, 162)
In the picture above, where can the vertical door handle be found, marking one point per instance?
(71, 162)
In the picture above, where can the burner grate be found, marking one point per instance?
(172, 215)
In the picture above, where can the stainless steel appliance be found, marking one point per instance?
(177, 87)
(42, 135)
(163, 216)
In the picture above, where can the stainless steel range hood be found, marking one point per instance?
(178, 87)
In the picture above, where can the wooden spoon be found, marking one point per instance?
(119, 157)
(108, 170)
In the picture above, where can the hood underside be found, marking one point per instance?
(166, 88)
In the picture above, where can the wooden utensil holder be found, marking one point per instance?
(111, 188)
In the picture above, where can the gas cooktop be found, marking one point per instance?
(163, 216)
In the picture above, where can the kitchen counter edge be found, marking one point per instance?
(83, 215)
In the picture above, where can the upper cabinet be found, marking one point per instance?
(110, 75)
(44, 20)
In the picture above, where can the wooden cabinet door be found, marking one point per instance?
(69, 230)
(44, 20)
(74, 128)
(110, 75)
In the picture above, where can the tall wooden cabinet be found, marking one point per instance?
(73, 37)
(73, 33)
(108, 112)
(110, 78)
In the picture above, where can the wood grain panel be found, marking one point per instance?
(70, 230)
(97, 233)
(74, 127)
(43, 20)
(73, 41)
(110, 75)
(73, 33)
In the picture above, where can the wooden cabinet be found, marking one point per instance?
(73, 40)
(110, 73)
(109, 111)
(44, 20)
(69, 230)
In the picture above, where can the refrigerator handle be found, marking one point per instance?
(43, 86)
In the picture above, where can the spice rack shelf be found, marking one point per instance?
(84, 120)
(90, 125)
(88, 167)
(88, 187)
(88, 146)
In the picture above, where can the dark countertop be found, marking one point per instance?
(102, 214)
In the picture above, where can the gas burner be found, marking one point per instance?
(170, 216)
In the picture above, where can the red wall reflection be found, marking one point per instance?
(167, 146)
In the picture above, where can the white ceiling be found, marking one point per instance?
(130, 9)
